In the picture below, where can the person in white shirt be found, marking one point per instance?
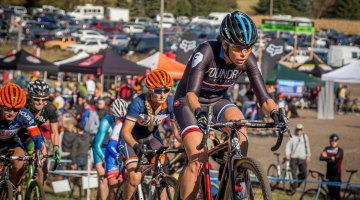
(298, 152)
(90, 85)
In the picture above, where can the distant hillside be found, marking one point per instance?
(246, 6)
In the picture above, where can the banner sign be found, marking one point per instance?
(290, 87)
(288, 26)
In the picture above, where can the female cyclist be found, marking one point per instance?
(140, 128)
(13, 116)
(213, 68)
(112, 164)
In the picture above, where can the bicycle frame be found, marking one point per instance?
(233, 146)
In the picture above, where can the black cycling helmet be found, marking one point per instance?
(238, 28)
(39, 88)
(334, 136)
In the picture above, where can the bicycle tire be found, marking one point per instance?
(35, 188)
(245, 165)
(289, 186)
(135, 196)
(311, 193)
(272, 171)
(6, 191)
(166, 181)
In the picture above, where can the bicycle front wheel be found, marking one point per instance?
(313, 194)
(35, 191)
(166, 189)
(6, 190)
(250, 181)
(273, 172)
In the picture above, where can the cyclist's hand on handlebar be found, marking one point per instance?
(275, 115)
(139, 149)
(201, 118)
(57, 152)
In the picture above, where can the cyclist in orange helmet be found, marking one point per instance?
(13, 116)
(140, 128)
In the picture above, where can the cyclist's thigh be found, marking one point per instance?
(26, 140)
(189, 131)
(224, 110)
(112, 167)
(184, 118)
(18, 151)
(128, 154)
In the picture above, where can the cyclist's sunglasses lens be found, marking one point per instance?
(39, 99)
(240, 48)
(159, 91)
(4, 108)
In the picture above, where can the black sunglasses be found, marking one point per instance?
(39, 99)
(159, 91)
(6, 109)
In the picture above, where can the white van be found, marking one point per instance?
(18, 10)
(167, 17)
(88, 11)
(339, 56)
(215, 18)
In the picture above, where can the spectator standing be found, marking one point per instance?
(90, 86)
(92, 121)
(334, 156)
(82, 91)
(101, 108)
(298, 152)
(80, 148)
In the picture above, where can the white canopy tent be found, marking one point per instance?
(347, 74)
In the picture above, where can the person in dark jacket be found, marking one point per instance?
(334, 156)
(80, 148)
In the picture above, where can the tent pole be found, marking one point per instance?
(45, 75)
(102, 83)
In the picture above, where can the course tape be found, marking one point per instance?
(80, 173)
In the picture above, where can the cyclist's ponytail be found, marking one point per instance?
(149, 111)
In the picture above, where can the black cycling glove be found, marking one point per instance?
(275, 115)
(139, 149)
(202, 119)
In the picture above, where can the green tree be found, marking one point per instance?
(231, 4)
(152, 7)
(347, 9)
(123, 3)
(183, 7)
(137, 8)
(299, 8)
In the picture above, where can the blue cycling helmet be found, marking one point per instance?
(239, 29)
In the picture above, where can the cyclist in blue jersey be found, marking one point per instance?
(140, 129)
(112, 164)
(13, 116)
(100, 142)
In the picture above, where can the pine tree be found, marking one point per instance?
(137, 8)
(347, 9)
(183, 8)
(152, 7)
(123, 3)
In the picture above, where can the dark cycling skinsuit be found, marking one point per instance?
(49, 112)
(8, 131)
(208, 76)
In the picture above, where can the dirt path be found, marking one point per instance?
(347, 126)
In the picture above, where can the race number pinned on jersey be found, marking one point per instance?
(198, 57)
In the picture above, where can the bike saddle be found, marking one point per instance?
(276, 154)
(352, 171)
(317, 172)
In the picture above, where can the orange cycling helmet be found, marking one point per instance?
(12, 96)
(158, 79)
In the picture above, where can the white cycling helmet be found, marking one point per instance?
(119, 108)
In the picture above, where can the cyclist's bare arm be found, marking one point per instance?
(54, 130)
(268, 106)
(192, 101)
(175, 131)
(126, 133)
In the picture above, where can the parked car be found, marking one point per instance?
(132, 28)
(143, 43)
(182, 20)
(167, 17)
(60, 43)
(200, 19)
(90, 46)
(108, 26)
(85, 35)
(119, 39)
(31, 39)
